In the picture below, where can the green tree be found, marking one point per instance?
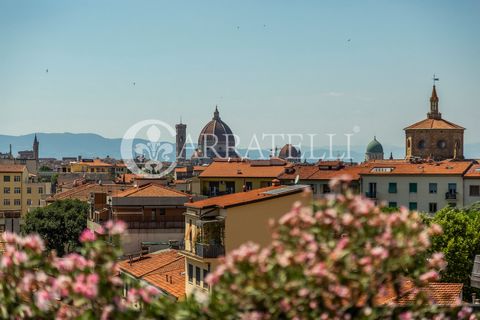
(59, 224)
(459, 243)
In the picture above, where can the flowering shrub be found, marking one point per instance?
(87, 285)
(335, 260)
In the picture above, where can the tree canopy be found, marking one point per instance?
(59, 224)
(459, 242)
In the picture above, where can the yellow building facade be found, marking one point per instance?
(18, 194)
(216, 226)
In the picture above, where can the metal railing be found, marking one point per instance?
(451, 195)
(371, 195)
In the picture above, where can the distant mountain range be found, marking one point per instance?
(90, 145)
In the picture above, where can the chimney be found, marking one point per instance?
(275, 182)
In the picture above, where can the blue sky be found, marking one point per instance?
(271, 66)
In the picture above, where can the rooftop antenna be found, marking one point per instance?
(435, 78)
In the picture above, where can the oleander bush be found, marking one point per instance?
(334, 260)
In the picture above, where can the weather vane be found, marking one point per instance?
(435, 78)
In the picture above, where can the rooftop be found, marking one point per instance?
(150, 190)
(242, 198)
(473, 172)
(430, 123)
(83, 192)
(12, 168)
(164, 270)
(245, 169)
(426, 168)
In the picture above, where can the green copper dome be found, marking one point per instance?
(374, 146)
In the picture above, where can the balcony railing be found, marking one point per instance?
(371, 195)
(451, 195)
(209, 250)
(155, 224)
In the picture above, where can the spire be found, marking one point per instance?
(216, 114)
(434, 114)
(35, 140)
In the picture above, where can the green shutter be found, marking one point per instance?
(413, 187)
(412, 205)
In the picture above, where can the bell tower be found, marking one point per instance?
(181, 137)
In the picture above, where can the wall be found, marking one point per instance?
(422, 197)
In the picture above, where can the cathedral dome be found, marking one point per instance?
(374, 146)
(374, 150)
(288, 151)
(217, 135)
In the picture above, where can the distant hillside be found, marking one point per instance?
(89, 145)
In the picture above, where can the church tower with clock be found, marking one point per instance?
(434, 137)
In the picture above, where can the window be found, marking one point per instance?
(326, 188)
(162, 211)
(16, 202)
(432, 188)
(474, 191)
(16, 190)
(190, 273)
(248, 185)
(40, 190)
(17, 178)
(205, 274)
(230, 186)
(412, 187)
(412, 206)
(153, 216)
(29, 202)
(392, 187)
(392, 204)
(6, 178)
(432, 207)
(6, 190)
(29, 190)
(6, 202)
(197, 275)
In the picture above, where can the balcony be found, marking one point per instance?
(451, 195)
(209, 250)
(156, 224)
(371, 195)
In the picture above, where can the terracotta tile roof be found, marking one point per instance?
(427, 168)
(434, 124)
(181, 169)
(199, 168)
(443, 294)
(151, 190)
(127, 177)
(164, 270)
(473, 172)
(94, 163)
(12, 168)
(316, 172)
(83, 192)
(241, 198)
(244, 169)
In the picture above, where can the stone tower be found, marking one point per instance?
(36, 145)
(434, 138)
(181, 137)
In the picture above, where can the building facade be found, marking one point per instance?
(434, 138)
(216, 226)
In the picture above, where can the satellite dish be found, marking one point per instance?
(297, 178)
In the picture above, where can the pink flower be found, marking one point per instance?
(379, 252)
(116, 227)
(87, 236)
(34, 242)
(429, 276)
(43, 300)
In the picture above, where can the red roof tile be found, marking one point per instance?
(12, 168)
(151, 190)
(164, 270)
(83, 192)
(245, 169)
(434, 124)
(242, 198)
(473, 172)
(443, 294)
(426, 168)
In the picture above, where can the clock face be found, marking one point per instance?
(442, 144)
(421, 144)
